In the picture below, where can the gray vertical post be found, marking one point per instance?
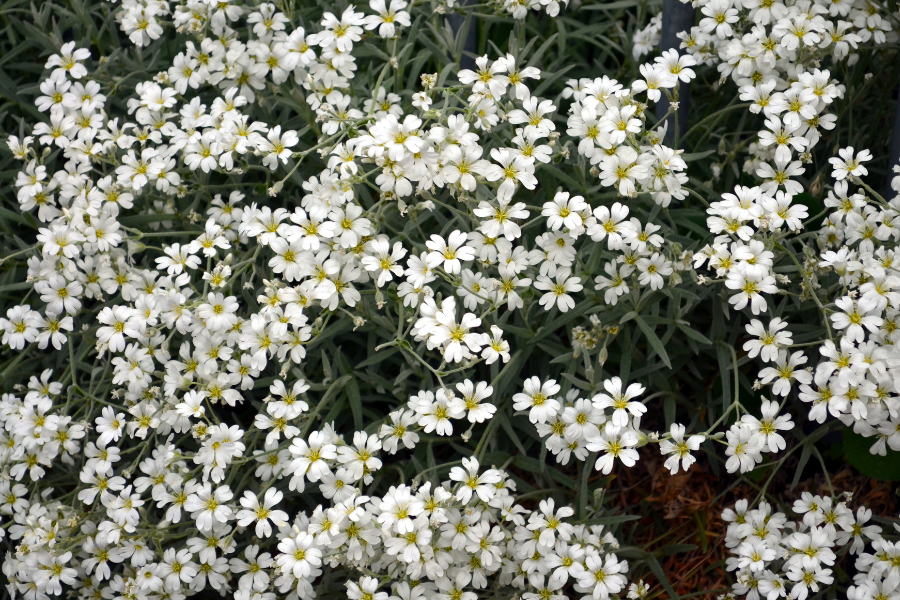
(895, 151)
(456, 22)
(676, 17)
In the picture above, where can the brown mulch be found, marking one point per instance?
(686, 509)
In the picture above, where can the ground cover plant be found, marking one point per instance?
(400, 300)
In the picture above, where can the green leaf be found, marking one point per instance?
(615, 520)
(138, 220)
(613, 5)
(694, 156)
(378, 357)
(562, 320)
(801, 464)
(8, 214)
(625, 353)
(587, 469)
(373, 49)
(13, 287)
(693, 334)
(506, 377)
(546, 81)
(564, 177)
(579, 383)
(445, 72)
(508, 428)
(355, 403)
(884, 468)
(333, 389)
(654, 341)
(536, 57)
(533, 465)
(562, 358)
(661, 575)
(669, 410)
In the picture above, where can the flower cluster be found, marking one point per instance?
(774, 557)
(213, 241)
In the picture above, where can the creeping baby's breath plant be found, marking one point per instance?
(314, 300)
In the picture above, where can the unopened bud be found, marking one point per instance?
(276, 188)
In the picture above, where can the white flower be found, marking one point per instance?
(654, 79)
(359, 458)
(610, 223)
(564, 211)
(177, 259)
(383, 260)
(299, 555)
(677, 65)
(652, 269)
(421, 100)
(20, 326)
(623, 170)
(755, 555)
(288, 404)
(60, 295)
(496, 347)
(471, 398)
(602, 576)
(288, 259)
(399, 508)
(118, 322)
(310, 458)
(349, 225)
(854, 318)
(780, 175)
(769, 425)
(784, 371)
(512, 170)
(473, 483)
(109, 426)
(458, 339)
(209, 240)
(614, 442)
(218, 312)
(487, 79)
(620, 123)
(537, 399)
(176, 567)
(207, 506)
(534, 116)
(550, 523)
(558, 292)
(750, 290)
(720, 16)
(367, 586)
(453, 251)
(500, 219)
(679, 448)
(517, 77)
(388, 17)
(398, 431)
(780, 210)
(744, 449)
(622, 403)
(68, 61)
(399, 139)
(262, 513)
(615, 284)
(277, 146)
(768, 339)
(435, 411)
